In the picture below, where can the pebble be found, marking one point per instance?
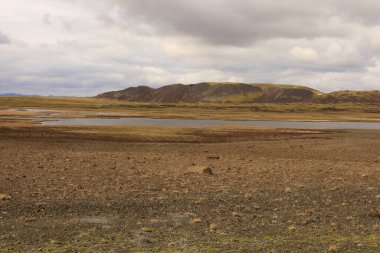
(147, 230)
(248, 196)
(4, 197)
(256, 207)
(214, 226)
(333, 248)
(375, 213)
(195, 221)
(199, 170)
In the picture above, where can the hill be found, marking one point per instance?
(238, 93)
(10, 95)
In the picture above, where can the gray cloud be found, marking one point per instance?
(83, 47)
(47, 19)
(4, 39)
(246, 21)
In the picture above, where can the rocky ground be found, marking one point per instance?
(291, 193)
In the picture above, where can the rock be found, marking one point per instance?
(30, 219)
(256, 207)
(54, 242)
(236, 214)
(147, 230)
(214, 226)
(144, 240)
(104, 241)
(288, 190)
(333, 248)
(4, 197)
(213, 157)
(199, 170)
(375, 213)
(292, 228)
(248, 196)
(195, 221)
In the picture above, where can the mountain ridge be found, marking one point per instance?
(227, 92)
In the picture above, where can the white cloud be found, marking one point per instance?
(303, 54)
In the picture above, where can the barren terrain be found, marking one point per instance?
(270, 191)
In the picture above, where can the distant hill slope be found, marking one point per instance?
(238, 93)
(17, 95)
(10, 95)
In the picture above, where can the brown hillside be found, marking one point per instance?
(239, 93)
(285, 93)
(176, 93)
(351, 96)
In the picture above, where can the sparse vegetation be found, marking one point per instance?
(71, 189)
(84, 107)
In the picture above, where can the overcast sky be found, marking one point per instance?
(84, 47)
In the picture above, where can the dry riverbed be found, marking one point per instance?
(198, 190)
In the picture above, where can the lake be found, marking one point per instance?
(208, 122)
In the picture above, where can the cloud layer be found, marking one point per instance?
(82, 47)
(4, 39)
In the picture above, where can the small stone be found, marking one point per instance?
(288, 190)
(199, 170)
(333, 248)
(213, 157)
(375, 213)
(195, 221)
(248, 196)
(4, 197)
(54, 242)
(214, 226)
(292, 228)
(154, 221)
(147, 230)
(145, 241)
(236, 214)
(256, 207)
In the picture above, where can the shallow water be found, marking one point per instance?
(206, 122)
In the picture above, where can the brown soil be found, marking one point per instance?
(88, 193)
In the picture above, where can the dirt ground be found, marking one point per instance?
(267, 193)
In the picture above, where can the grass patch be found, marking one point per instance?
(229, 111)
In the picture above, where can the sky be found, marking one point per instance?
(85, 47)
